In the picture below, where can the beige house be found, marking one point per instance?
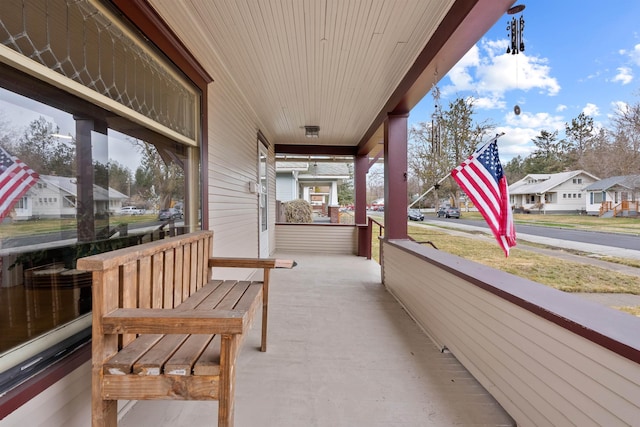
(562, 192)
(56, 197)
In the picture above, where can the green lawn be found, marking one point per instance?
(551, 271)
(42, 226)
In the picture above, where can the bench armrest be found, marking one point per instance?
(163, 321)
(242, 262)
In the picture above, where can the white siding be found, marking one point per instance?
(232, 163)
(540, 372)
(316, 238)
(285, 187)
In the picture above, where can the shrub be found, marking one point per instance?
(298, 211)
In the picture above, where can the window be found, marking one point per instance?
(597, 197)
(577, 180)
(92, 174)
(32, 271)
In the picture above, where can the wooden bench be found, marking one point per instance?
(164, 329)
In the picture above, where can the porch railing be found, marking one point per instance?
(548, 357)
(624, 206)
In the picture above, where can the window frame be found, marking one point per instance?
(149, 23)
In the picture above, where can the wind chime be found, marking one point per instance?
(515, 32)
(436, 123)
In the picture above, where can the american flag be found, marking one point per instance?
(15, 179)
(481, 176)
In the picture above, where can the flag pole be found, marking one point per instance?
(429, 190)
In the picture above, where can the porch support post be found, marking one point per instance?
(360, 180)
(333, 199)
(361, 167)
(89, 132)
(395, 176)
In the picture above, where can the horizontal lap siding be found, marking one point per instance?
(232, 210)
(309, 238)
(541, 373)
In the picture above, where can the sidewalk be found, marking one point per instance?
(558, 243)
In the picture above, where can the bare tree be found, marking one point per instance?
(626, 139)
(438, 147)
(156, 179)
(40, 148)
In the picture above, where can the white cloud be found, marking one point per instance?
(560, 108)
(489, 102)
(619, 106)
(633, 54)
(535, 121)
(591, 110)
(460, 75)
(489, 72)
(516, 141)
(624, 75)
(521, 130)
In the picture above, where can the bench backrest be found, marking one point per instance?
(158, 274)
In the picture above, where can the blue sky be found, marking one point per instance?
(579, 57)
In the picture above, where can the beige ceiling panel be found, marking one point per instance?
(330, 63)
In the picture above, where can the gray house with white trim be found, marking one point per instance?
(614, 196)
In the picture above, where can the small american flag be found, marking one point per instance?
(481, 176)
(15, 179)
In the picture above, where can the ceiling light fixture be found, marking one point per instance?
(312, 131)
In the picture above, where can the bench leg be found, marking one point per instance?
(226, 392)
(265, 309)
(104, 413)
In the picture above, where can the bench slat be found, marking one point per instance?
(228, 301)
(177, 354)
(250, 297)
(122, 362)
(157, 321)
(207, 298)
(209, 362)
(152, 361)
(184, 359)
(163, 387)
(216, 287)
(169, 278)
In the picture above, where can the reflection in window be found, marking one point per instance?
(73, 209)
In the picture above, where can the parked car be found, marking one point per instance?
(415, 215)
(169, 213)
(448, 212)
(131, 210)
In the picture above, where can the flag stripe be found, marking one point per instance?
(482, 178)
(15, 180)
(478, 181)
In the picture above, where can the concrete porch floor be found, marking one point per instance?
(341, 352)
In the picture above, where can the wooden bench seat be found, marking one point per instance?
(163, 329)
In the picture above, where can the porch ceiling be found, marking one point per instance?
(340, 65)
